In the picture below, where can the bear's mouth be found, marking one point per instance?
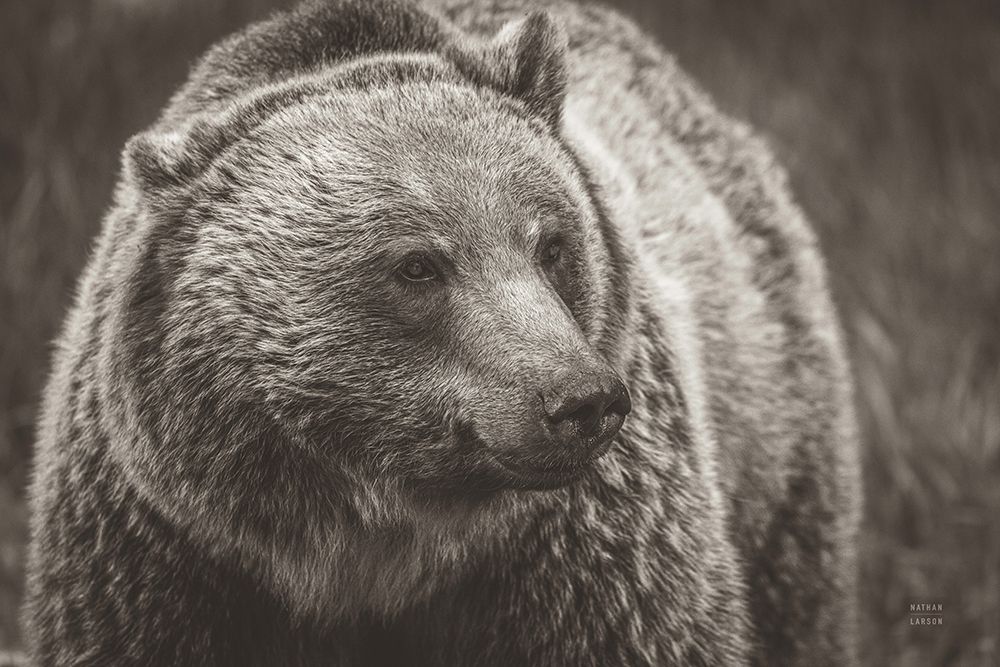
(541, 476)
(545, 478)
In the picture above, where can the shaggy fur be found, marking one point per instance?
(260, 446)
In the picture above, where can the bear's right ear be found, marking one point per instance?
(526, 59)
(157, 161)
(153, 161)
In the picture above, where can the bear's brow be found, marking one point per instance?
(424, 242)
(407, 225)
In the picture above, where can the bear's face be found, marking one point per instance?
(394, 271)
(409, 280)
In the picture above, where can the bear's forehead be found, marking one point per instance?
(429, 130)
(441, 157)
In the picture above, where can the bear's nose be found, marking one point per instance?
(586, 407)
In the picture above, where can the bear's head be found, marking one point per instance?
(394, 271)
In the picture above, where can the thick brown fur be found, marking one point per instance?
(259, 446)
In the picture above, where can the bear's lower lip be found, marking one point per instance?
(543, 480)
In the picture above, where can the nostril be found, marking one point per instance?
(621, 404)
(586, 416)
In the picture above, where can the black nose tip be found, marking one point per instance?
(588, 406)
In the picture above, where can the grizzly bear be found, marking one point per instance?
(446, 335)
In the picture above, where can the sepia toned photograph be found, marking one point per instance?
(499, 332)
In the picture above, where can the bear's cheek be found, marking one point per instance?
(408, 391)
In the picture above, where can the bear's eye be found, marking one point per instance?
(417, 270)
(552, 252)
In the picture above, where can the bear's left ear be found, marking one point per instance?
(526, 59)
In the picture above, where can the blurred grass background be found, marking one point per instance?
(887, 116)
